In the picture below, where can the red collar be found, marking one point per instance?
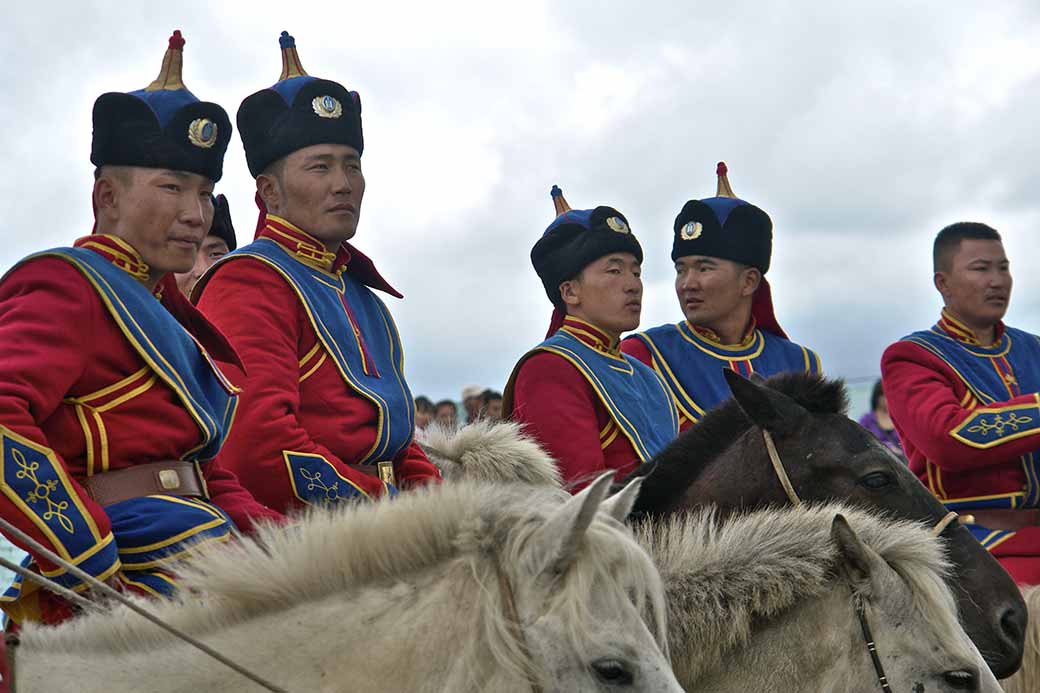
(119, 253)
(711, 336)
(590, 334)
(310, 251)
(962, 333)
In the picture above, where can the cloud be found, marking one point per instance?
(861, 130)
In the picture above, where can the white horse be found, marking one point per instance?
(765, 602)
(460, 587)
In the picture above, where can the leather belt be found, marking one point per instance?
(1006, 519)
(384, 471)
(166, 478)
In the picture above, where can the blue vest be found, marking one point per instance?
(987, 428)
(150, 530)
(635, 397)
(322, 295)
(692, 366)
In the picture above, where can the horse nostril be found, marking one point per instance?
(1013, 627)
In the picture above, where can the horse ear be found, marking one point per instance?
(767, 408)
(620, 504)
(559, 538)
(854, 557)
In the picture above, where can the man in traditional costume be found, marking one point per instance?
(326, 413)
(112, 410)
(964, 398)
(218, 242)
(591, 406)
(721, 250)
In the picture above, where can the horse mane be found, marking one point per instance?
(685, 458)
(724, 579)
(493, 451)
(469, 528)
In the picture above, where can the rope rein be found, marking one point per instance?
(115, 594)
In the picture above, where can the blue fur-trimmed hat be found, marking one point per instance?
(725, 227)
(161, 126)
(296, 112)
(577, 238)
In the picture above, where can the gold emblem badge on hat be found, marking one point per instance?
(327, 107)
(617, 224)
(202, 132)
(691, 230)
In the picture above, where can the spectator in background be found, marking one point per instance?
(446, 414)
(472, 400)
(424, 412)
(878, 422)
(218, 242)
(491, 405)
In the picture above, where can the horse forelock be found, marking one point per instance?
(474, 527)
(679, 464)
(724, 579)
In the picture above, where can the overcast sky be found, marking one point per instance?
(861, 128)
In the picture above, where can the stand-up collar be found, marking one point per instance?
(956, 329)
(591, 335)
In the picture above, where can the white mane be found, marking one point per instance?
(726, 578)
(489, 451)
(463, 530)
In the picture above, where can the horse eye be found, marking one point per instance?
(613, 672)
(962, 680)
(876, 480)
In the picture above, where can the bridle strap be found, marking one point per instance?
(509, 605)
(778, 468)
(861, 612)
(943, 523)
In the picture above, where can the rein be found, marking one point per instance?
(857, 599)
(509, 606)
(102, 587)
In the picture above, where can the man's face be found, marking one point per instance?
(608, 293)
(493, 411)
(977, 285)
(423, 418)
(213, 248)
(319, 190)
(472, 405)
(710, 288)
(447, 416)
(164, 215)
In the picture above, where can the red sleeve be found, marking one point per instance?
(557, 405)
(635, 347)
(413, 468)
(48, 312)
(227, 493)
(922, 394)
(260, 314)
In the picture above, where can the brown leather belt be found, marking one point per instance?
(166, 478)
(384, 471)
(1006, 519)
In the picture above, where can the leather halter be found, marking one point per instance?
(509, 606)
(857, 599)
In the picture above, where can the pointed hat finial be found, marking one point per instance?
(723, 189)
(291, 65)
(559, 201)
(170, 73)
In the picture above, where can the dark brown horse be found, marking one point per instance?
(827, 456)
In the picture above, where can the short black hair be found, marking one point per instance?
(949, 240)
(490, 396)
(447, 402)
(423, 404)
(875, 395)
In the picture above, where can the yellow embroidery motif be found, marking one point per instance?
(315, 483)
(999, 424)
(42, 492)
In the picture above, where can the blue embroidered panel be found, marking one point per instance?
(635, 396)
(316, 482)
